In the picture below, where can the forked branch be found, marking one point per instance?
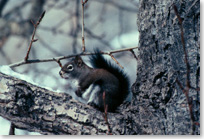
(33, 35)
(66, 57)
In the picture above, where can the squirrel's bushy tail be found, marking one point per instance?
(98, 61)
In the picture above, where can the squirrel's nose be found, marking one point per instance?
(60, 73)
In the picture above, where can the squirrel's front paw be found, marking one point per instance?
(78, 92)
(92, 104)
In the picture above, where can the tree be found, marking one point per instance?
(166, 94)
(168, 74)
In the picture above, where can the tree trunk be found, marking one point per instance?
(164, 102)
(162, 68)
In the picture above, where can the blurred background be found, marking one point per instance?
(109, 25)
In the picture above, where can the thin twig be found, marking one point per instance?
(106, 114)
(33, 35)
(187, 87)
(31, 42)
(82, 29)
(75, 27)
(58, 61)
(136, 66)
(134, 54)
(65, 57)
(115, 60)
(184, 47)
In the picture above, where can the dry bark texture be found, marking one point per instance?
(37, 109)
(161, 62)
(158, 107)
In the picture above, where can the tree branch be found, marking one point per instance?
(116, 61)
(66, 57)
(37, 109)
(82, 29)
(33, 34)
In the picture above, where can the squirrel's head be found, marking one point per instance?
(73, 69)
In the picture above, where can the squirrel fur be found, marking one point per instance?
(93, 82)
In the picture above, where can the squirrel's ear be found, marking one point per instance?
(78, 61)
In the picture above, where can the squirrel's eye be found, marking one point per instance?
(70, 67)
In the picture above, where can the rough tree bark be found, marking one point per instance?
(162, 62)
(37, 109)
(158, 106)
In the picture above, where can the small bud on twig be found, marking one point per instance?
(58, 61)
(35, 40)
(32, 22)
(41, 17)
(33, 35)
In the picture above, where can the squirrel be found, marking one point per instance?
(93, 82)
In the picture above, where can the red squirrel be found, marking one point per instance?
(93, 82)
